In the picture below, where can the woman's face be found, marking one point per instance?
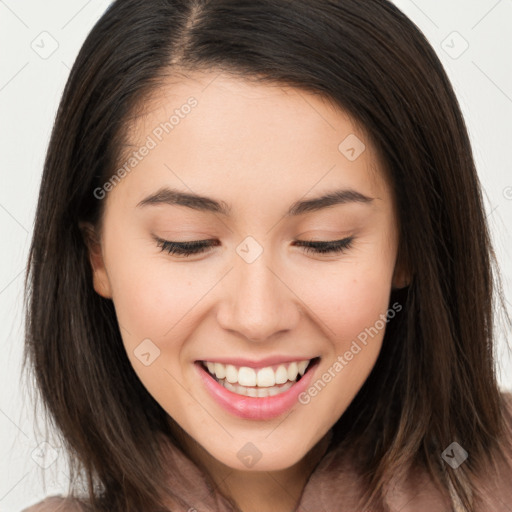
(256, 301)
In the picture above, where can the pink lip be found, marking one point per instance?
(268, 361)
(253, 408)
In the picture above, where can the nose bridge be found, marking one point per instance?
(260, 304)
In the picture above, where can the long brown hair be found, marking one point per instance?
(434, 381)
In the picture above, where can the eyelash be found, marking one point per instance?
(196, 247)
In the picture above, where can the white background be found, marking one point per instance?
(30, 89)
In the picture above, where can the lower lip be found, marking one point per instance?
(252, 408)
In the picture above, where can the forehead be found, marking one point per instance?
(218, 134)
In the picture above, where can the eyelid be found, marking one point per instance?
(327, 246)
(320, 247)
(187, 247)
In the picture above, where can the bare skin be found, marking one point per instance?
(259, 149)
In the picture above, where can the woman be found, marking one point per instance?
(261, 276)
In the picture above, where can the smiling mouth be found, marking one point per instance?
(262, 382)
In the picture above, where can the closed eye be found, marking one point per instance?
(200, 246)
(330, 247)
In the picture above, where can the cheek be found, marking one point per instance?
(350, 299)
(353, 306)
(154, 302)
(151, 295)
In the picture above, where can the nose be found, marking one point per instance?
(258, 303)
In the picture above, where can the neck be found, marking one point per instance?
(258, 491)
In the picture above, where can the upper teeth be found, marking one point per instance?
(263, 377)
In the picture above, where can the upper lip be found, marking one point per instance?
(267, 361)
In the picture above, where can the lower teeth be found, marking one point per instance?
(255, 391)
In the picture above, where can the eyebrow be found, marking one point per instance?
(170, 196)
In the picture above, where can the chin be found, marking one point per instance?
(259, 455)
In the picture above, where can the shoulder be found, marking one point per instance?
(496, 487)
(55, 504)
(418, 492)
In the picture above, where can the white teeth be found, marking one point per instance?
(292, 371)
(246, 376)
(231, 374)
(256, 392)
(265, 377)
(219, 370)
(252, 392)
(302, 367)
(281, 375)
